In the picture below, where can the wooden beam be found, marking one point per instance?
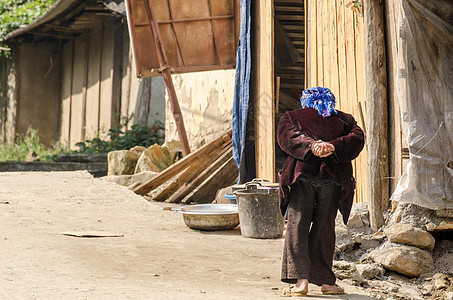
(189, 174)
(188, 187)
(263, 89)
(222, 177)
(182, 164)
(377, 116)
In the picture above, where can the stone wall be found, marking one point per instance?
(206, 101)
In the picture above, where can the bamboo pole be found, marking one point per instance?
(377, 116)
(166, 73)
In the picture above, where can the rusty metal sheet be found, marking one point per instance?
(198, 35)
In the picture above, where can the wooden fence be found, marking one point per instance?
(335, 59)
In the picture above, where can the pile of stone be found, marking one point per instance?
(137, 165)
(194, 178)
(402, 260)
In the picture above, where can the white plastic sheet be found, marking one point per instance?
(425, 92)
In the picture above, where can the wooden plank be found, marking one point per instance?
(326, 44)
(361, 161)
(117, 75)
(66, 88)
(93, 83)
(78, 91)
(105, 103)
(223, 177)
(182, 164)
(191, 185)
(307, 56)
(334, 84)
(135, 84)
(350, 61)
(312, 45)
(263, 91)
(189, 174)
(126, 78)
(277, 96)
(342, 75)
(319, 41)
(377, 118)
(395, 131)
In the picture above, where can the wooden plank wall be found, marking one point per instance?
(335, 47)
(96, 84)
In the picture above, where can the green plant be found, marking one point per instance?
(26, 143)
(16, 13)
(138, 135)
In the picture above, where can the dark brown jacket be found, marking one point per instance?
(297, 130)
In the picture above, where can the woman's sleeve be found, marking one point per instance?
(348, 147)
(291, 140)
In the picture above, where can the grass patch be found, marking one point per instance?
(24, 145)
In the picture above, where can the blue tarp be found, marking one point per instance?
(242, 84)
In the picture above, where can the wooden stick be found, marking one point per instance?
(166, 73)
(182, 164)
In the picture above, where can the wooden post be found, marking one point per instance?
(263, 89)
(166, 73)
(377, 116)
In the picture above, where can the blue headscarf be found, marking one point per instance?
(319, 98)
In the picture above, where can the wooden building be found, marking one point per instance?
(70, 75)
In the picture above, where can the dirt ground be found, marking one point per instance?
(157, 258)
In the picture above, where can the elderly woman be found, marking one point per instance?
(316, 181)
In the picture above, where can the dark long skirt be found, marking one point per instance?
(310, 233)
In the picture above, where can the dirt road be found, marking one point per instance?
(157, 258)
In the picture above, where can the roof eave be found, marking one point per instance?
(56, 9)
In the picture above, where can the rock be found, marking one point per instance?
(358, 239)
(174, 147)
(449, 295)
(406, 260)
(343, 240)
(370, 271)
(32, 156)
(355, 221)
(121, 162)
(378, 236)
(445, 213)
(368, 242)
(155, 159)
(409, 235)
(440, 281)
(346, 270)
(414, 215)
(442, 226)
(427, 289)
(129, 180)
(138, 149)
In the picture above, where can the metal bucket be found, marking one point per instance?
(259, 213)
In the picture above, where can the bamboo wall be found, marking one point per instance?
(335, 59)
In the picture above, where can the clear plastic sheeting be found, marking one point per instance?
(425, 92)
